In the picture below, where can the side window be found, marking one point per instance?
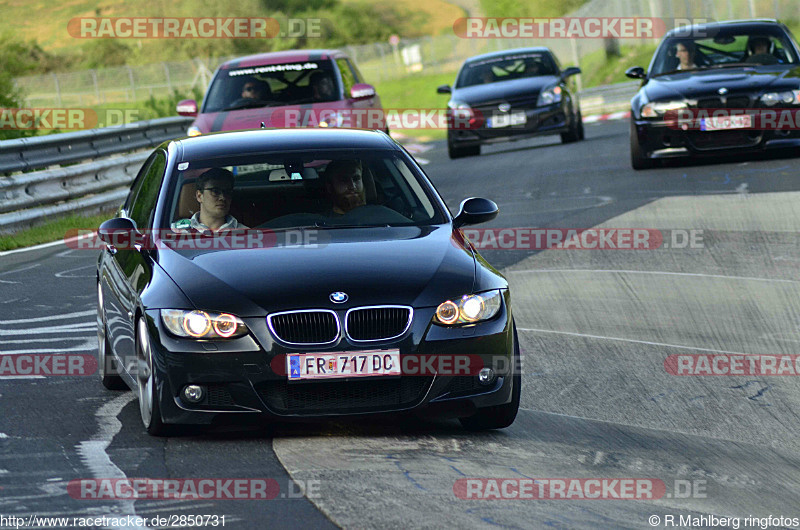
(347, 76)
(143, 205)
(356, 72)
(137, 182)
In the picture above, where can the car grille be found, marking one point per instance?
(344, 396)
(731, 102)
(377, 323)
(723, 139)
(305, 327)
(464, 384)
(218, 395)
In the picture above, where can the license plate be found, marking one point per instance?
(725, 123)
(302, 366)
(506, 120)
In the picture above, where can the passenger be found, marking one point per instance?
(214, 192)
(685, 53)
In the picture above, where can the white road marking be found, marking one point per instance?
(28, 341)
(23, 269)
(87, 346)
(70, 328)
(647, 342)
(93, 451)
(47, 319)
(422, 161)
(46, 245)
(698, 274)
(65, 274)
(3, 435)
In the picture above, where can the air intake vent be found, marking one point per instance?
(305, 327)
(377, 323)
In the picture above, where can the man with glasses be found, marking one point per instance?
(214, 192)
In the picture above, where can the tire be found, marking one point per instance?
(461, 152)
(106, 364)
(638, 159)
(149, 408)
(575, 131)
(499, 416)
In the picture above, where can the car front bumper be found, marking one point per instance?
(243, 382)
(539, 121)
(657, 140)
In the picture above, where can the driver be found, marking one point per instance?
(256, 89)
(214, 192)
(344, 186)
(761, 54)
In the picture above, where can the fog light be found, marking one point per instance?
(193, 393)
(486, 376)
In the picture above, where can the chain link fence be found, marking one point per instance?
(383, 61)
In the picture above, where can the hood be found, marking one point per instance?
(504, 90)
(416, 266)
(692, 85)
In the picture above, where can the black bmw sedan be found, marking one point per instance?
(511, 95)
(284, 274)
(721, 75)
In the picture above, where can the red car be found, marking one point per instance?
(300, 88)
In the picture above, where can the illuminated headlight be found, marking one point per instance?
(202, 324)
(549, 96)
(194, 131)
(656, 109)
(469, 309)
(460, 111)
(788, 97)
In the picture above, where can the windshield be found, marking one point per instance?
(323, 189)
(273, 85)
(724, 49)
(504, 68)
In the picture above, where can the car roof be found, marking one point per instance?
(753, 25)
(288, 56)
(260, 140)
(514, 51)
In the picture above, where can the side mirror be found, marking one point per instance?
(572, 70)
(636, 72)
(444, 89)
(119, 233)
(475, 210)
(362, 91)
(187, 107)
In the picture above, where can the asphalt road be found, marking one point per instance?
(595, 327)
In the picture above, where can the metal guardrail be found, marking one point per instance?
(608, 98)
(26, 154)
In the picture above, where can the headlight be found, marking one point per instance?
(549, 96)
(193, 131)
(202, 324)
(469, 309)
(656, 109)
(788, 97)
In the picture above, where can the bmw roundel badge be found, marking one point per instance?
(338, 297)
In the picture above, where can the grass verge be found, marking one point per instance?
(52, 231)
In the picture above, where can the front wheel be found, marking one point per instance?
(499, 416)
(460, 152)
(575, 131)
(639, 159)
(146, 378)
